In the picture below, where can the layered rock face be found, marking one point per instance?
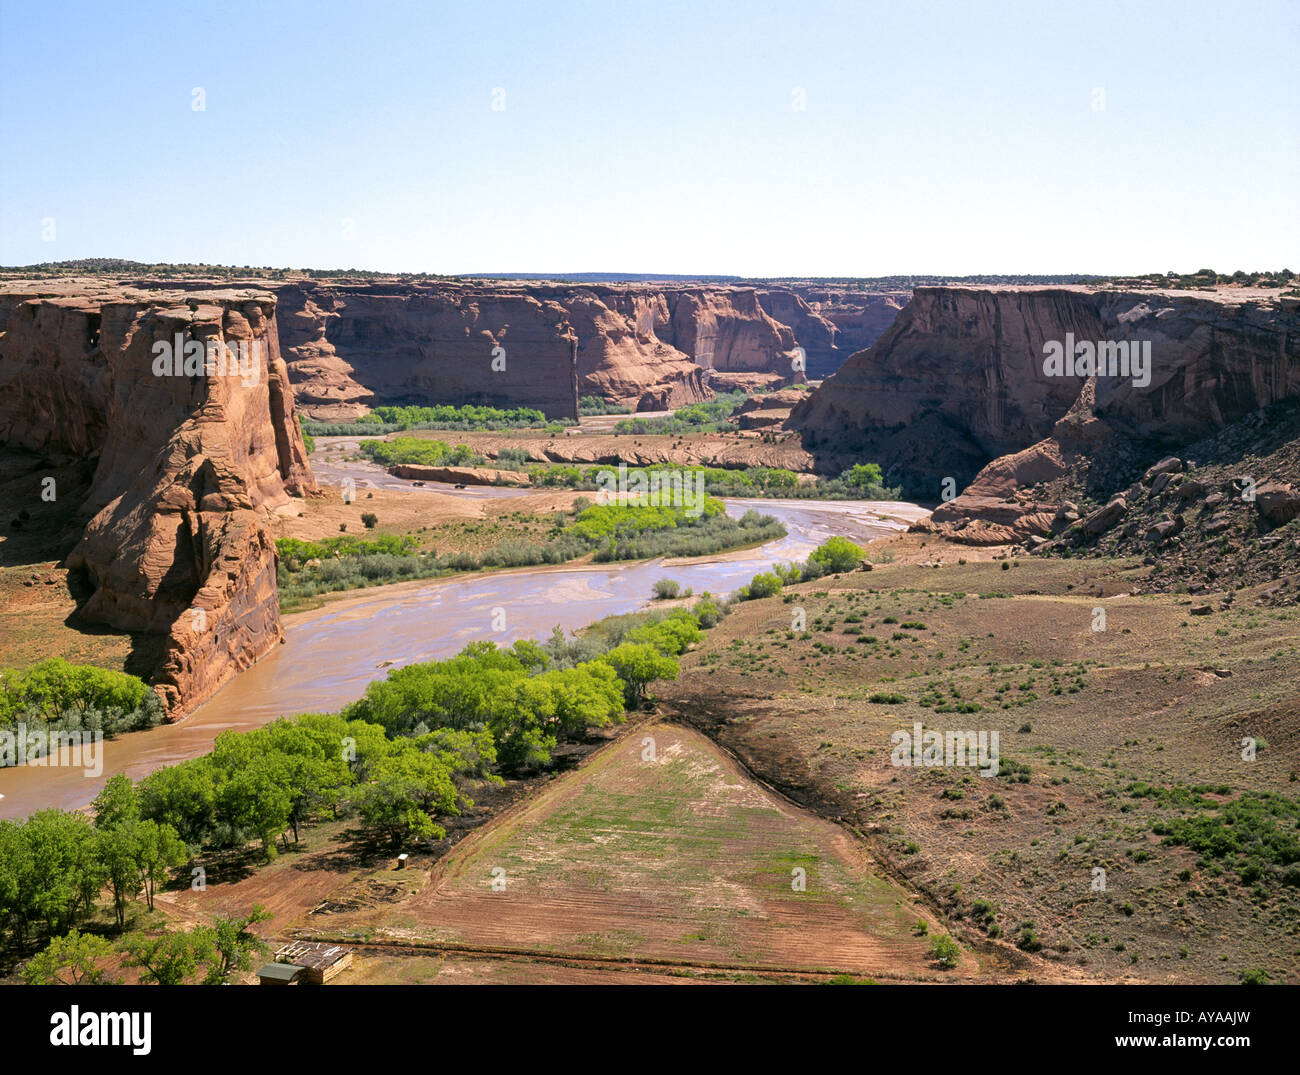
(831, 324)
(729, 332)
(956, 379)
(351, 347)
(190, 461)
(626, 353)
(1029, 438)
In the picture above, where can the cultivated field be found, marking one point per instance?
(681, 862)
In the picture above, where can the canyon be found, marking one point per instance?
(163, 485)
(162, 489)
(167, 486)
(351, 345)
(953, 398)
(646, 347)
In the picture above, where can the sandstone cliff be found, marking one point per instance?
(626, 353)
(350, 347)
(353, 346)
(831, 324)
(956, 380)
(957, 388)
(186, 468)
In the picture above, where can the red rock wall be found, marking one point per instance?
(178, 541)
(956, 386)
(352, 347)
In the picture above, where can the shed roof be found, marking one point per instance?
(283, 972)
(312, 954)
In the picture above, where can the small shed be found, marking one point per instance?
(318, 962)
(280, 974)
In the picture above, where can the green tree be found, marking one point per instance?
(256, 799)
(17, 878)
(764, 584)
(118, 850)
(944, 951)
(837, 555)
(158, 849)
(315, 771)
(864, 476)
(174, 958)
(182, 796)
(66, 874)
(404, 792)
(71, 959)
(638, 664)
(236, 944)
(116, 803)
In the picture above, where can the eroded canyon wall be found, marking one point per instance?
(956, 380)
(187, 465)
(957, 388)
(831, 324)
(350, 347)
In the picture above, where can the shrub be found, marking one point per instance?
(665, 589)
(944, 951)
(764, 584)
(837, 555)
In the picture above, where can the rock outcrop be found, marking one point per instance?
(831, 324)
(957, 389)
(353, 346)
(960, 381)
(955, 381)
(188, 464)
(768, 411)
(420, 472)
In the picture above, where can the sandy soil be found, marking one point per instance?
(682, 861)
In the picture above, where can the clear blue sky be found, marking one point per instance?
(936, 137)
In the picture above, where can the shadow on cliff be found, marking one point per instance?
(148, 650)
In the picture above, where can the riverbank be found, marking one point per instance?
(331, 653)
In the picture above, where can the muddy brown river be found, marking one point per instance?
(331, 653)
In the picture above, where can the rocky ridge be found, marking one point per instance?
(174, 477)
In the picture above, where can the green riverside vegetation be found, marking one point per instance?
(443, 416)
(607, 532)
(399, 760)
(56, 696)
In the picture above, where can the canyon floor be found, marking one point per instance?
(1105, 736)
(776, 753)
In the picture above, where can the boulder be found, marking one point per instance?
(1278, 502)
(1105, 518)
(1170, 465)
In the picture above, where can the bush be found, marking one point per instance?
(764, 584)
(370, 520)
(837, 555)
(665, 589)
(708, 612)
(945, 952)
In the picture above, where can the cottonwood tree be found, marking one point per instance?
(638, 664)
(117, 802)
(158, 849)
(174, 958)
(235, 943)
(117, 849)
(70, 960)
